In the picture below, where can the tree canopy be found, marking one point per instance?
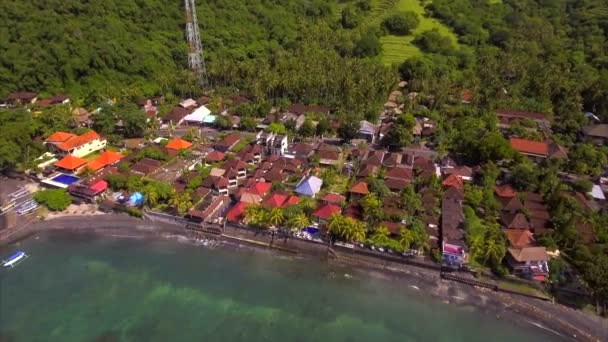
(401, 23)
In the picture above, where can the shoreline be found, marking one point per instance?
(569, 323)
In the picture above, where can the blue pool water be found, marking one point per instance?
(65, 179)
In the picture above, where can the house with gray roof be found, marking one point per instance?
(309, 186)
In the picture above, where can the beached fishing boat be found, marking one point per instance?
(14, 259)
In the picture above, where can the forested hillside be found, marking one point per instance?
(272, 49)
(548, 56)
(89, 46)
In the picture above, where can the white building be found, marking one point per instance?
(77, 145)
(198, 116)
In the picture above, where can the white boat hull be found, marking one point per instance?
(13, 262)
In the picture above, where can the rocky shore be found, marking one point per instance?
(564, 322)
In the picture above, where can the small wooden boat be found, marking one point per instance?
(14, 259)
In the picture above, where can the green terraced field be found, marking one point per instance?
(398, 48)
(395, 49)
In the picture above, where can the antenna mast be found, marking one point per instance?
(196, 61)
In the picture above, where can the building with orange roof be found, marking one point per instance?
(76, 145)
(359, 190)
(105, 159)
(538, 150)
(59, 137)
(453, 181)
(519, 238)
(71, 163)
(178, 144)
(505, 191)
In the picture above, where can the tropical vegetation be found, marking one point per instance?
(54, 199)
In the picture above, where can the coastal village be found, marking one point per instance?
(289, 171)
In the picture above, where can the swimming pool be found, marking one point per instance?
(65, 179)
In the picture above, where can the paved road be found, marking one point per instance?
(204, 131)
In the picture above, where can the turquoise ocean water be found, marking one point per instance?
(78, 288)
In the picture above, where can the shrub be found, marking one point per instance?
(369, 45)
(434, 42)
(54, 199)
(582, 185)
(401, 23)
(350, 17)
(135, 212)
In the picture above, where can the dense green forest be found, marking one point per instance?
(86, 47)
(549, 56)
(115, 48)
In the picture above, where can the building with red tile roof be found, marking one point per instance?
(519, 238)
(178, 144)
(228, 142)
(353, 210)
(215, 156)
(514, 221)
(260, 188)
(453, 181)
(278, 200)
(530, 147)
(396, 184)
(71, 163)
(333, 199)
(538, 149)
(360, 189)
(506, 116)
(464, 172)
(250, 198)
(237, 213)
(325, 212)
(400, 173)
(505, 191)
(274, 175)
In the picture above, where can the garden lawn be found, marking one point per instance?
(92, 156)
(241, 145)
(521, 288)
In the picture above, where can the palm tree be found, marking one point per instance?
(494, 251)
(372, 208)
(186, 202)
(356, 230)
(174, 200)
(336, 225)
(381, 237)
(299, 221)
(275, 217)
(253, 214)
(181, 202)
(406, 238)
(476, 246)
(151, 198)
